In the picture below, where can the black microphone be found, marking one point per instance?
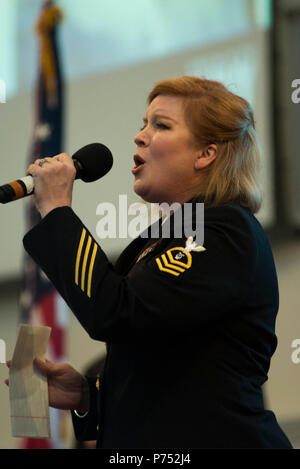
(92, 162)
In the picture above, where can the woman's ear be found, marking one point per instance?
(206, 156)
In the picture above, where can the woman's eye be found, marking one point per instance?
(160, 125)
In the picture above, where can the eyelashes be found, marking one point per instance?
(162, 126)
(158, 125)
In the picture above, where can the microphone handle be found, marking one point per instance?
(16, 189)
(25, 186)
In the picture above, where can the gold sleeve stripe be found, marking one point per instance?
(79, 255)
(87, 249)
(91, 269)
(164, 269)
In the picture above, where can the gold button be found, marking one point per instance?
(98, 383)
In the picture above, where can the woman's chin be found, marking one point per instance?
(148, 195)
(140, 188)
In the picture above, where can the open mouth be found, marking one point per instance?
(139, 163)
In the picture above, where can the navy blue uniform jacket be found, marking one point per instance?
(189, 335)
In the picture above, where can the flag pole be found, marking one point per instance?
(40, 302)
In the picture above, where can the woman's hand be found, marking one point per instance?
(53, 182)
(67, 388)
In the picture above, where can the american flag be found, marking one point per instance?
(40, 302)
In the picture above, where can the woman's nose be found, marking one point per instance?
(141, 139)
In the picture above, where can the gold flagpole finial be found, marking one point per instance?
(50, 16)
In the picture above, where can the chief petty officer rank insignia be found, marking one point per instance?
(177, 260)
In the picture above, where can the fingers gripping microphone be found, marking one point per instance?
(92, 162)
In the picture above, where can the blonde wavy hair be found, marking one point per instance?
(215, 115)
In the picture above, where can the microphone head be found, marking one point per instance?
(95, 161)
